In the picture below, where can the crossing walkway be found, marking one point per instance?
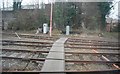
(55, 59)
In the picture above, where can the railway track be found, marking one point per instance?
(94, 44)
(67, 52)
(22, 60)
(20, 55)
(75, 61)
(89, 41)
(80, 45)
(26, 43)
(12, 60)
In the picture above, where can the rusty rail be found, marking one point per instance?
(74, 61)
(33, 36)
(92, 44)
(24, 59)
(37, 45)
(92, 53)
(113, 71)
(90, 40)
(66, 52)
(83, 47)
(79, 61)
(25, 50)
(21, 41)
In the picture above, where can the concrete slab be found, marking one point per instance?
(59, 49)
(61, 40)
(53, 73)
(59, 45)
(53, 65)
(55, 59)
(56, 55)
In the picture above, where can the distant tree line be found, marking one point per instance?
(74, 14)
(16, 5)
(93, 14)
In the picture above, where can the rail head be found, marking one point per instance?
(65, 72)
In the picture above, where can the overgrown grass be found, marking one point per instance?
(105, 34)
(114, 35)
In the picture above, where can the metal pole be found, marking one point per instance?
(7, 4)
(51, 20)
(3, 5)
(38, 4)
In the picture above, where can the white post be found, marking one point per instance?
(67, 30)
(45, 28)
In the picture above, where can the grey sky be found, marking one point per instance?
(114, 12)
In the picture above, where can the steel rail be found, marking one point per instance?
(37, 45)
(90, 40)
(92, 44)
(21, 41)
(66, 52)
(78, 42)
(92, 53)
(24, 59)
(34, 42)
(25, 34)
(91, 71)
(83, 47)
(79, 61)
(25, 50)
(66, 60)
(111, 71)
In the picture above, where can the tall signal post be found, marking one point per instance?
(51, 19)
(3, 5)
(7, 4)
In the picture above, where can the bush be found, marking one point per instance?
(27, 20)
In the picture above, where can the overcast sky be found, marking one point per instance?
(114, 12)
